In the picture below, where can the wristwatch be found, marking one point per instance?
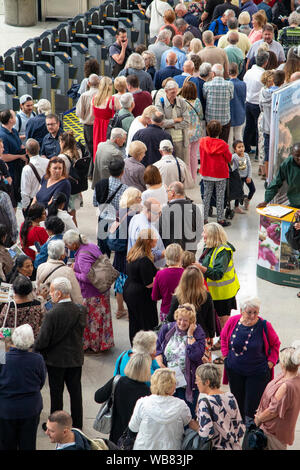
(190, 337)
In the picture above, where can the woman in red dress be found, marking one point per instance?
(104, 107)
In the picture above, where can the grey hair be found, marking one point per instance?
(233, 23)
(171, 84)
(23, 337)
(229, 12)
(218, 70)
(208, 37)
(62, 284)
(126, 100)
(164, 34)
(144, 342)
(166, 145)
(294, 18)
(44, 106)
(117, 133)
(252, 302)
(211, 373)
(262, 58)
(135, 61)
(180, 23)
(139, 367)
(94, 80)
(151, 56)
(173, 254)
(56, 248)
(178, 188)
(205, 69)
(290, 357)
(73, 236)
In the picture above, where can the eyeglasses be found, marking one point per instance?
(186, 307)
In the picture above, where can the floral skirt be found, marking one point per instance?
(98, 333)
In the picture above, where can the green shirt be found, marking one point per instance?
(235, 54)
(289, 171)
(126, 122)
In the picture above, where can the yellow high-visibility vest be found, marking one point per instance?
(227, 287)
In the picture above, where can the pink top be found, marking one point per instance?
(165, 282)
(272, 342)
(255, 35)
(288, 408)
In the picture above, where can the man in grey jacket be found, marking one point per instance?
(106, 152)
(176, 120)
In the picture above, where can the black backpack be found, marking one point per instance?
(115, 121)
(78, 174)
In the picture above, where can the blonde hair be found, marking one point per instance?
(261, 17)
(244, 18)
(216, 235)
(162, 382)
(152, 57)
(129, 197)
(137, 148)
(149, 111)
(173, 254)
(144, 342)
(187, 258)
(266, 76)
(138, 367)
(142, 246)
(195, 46)
(104, 91)
(191, 288)
(290, 358)
(186, 308)
(120, 84)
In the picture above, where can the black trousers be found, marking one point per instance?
(250, 131)
(19, 434)
(247, 390)
(71, 376)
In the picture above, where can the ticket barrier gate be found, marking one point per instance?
(112, 13)
(129, 9)
(24, 82)
(107, 32)
(42, 70)
(63, 66)
(93, 41)
(8, 98)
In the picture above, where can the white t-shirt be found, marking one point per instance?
(160, 194)
(135, 126)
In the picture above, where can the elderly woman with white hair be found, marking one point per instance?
(130, 205)
(143, 342)
(98, 334)
(21, 379)
(125, 113)
(54, 267)
(250, 347)
(279, 406)
(134, 170)
(135, 65)
(150, 62)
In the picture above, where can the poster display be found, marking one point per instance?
(284, 130)
(277, 261)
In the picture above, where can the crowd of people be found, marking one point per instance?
(196, 101)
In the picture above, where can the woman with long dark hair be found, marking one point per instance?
(22, 265)
(31, 234)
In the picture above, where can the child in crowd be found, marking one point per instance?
(187, 258)
(241, 161)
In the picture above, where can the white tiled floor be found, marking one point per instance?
(279, 304)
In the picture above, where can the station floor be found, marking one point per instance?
(280, 304)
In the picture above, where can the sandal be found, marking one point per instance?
(121, 314)
(219, 361)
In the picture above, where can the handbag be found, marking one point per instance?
(192, 440)
(114, 242)
(127, 440)
(102, 274)
(6, 332)
(103, 420)
(292, 235)
(254, 438)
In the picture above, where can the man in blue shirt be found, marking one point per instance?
(14, 151)
(219, 26)
(237, 106)
(177, 42)
(169, 71)
(188, 70)
(51, 145)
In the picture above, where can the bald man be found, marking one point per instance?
(233, 52)
(295, 76)
(169, 71)
(188, 70)
(177, 47)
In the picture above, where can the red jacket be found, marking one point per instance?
(214, 157)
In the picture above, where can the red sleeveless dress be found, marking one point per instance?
(102, 117)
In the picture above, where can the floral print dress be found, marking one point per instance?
(226, 423)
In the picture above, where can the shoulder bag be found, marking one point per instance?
(6, 332)
(254, 438)
(103, 420)
(192, 440)
(102, 274)
(292, 235)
